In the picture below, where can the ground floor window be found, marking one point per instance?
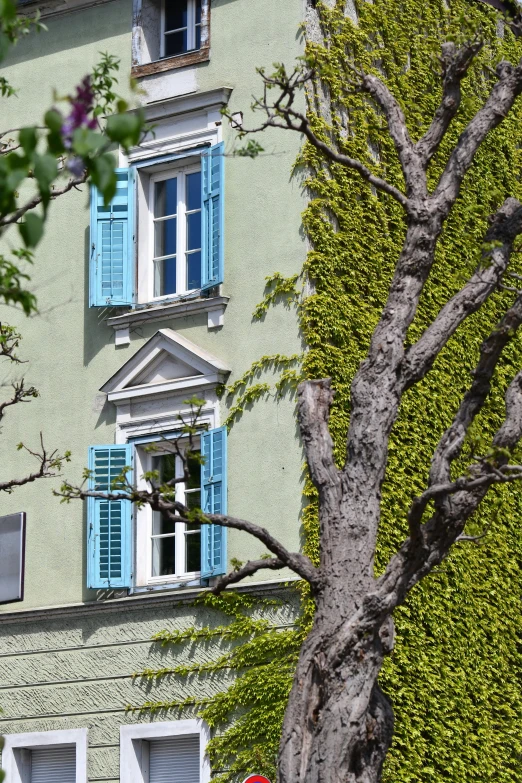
(170, 752)
(46, 757)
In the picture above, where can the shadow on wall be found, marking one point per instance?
(76, 29)
(96, 333)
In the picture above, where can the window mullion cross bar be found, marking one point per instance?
(165, 217)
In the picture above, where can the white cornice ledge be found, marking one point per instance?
(178, 385)
(166, 312)
(184, 104)
(50, 8)
(176, 596)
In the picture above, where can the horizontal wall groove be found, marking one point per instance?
(61, 715)
(47, 650)
(104, 745)
(75, 648)
(65, 682)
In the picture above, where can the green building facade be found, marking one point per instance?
(150, 302)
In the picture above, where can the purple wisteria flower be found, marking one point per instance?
(76, 166)
(79, 117)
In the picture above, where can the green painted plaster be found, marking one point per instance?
(69, 348)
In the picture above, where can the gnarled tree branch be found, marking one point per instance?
(248, 569)
(498, 246)
(455, 65)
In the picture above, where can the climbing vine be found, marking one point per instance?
(455, 676)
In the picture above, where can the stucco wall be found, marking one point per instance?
(72, 669)
(71, 351)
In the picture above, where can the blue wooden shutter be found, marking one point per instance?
(112, 244)
(213, 221)
(109, 522)
(214, 487)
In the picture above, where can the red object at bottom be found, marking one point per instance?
(256, 779)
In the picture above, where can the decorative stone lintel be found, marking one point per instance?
(214, 306)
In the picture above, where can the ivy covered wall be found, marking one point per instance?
(455, 676)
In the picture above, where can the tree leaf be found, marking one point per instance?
(31, 229)
(28, 139)
(54, 120)
(45, 171)
(124, 128)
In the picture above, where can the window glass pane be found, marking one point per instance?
(166, 197)
(193, 271)
(194, 191)
(166, 467)
(163, 556)
(165, 233)
(161, 525)
(198, 37)
(194, 231)
(176, 43)
(194, 467)
(193, 499)
(193, 550)
(176, 14)
(198, 11)
(165, 277)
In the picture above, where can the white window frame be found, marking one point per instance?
(15, 744)
(144, 518)
(191, 29)
(180, 172)
(131, 738)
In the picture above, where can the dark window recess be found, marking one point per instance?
(12, 556)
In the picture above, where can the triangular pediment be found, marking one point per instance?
(167, 360)
(164, 368)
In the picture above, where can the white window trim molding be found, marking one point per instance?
(40, 739)
(146, 272)
(130, 745)
(186, 122)
(209, 100)
(173, 133)
(203, 132)
(143, 580)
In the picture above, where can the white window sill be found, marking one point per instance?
(158, 586)
(213, 306)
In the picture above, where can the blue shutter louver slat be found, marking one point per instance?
(109, 521)
(112, 244)
(214, 486)
(212, 198)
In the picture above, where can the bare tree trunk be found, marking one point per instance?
(338, 725)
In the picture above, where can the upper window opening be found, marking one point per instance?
(181, 27)
(176, 546)
(169, 34)
(176, 254)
